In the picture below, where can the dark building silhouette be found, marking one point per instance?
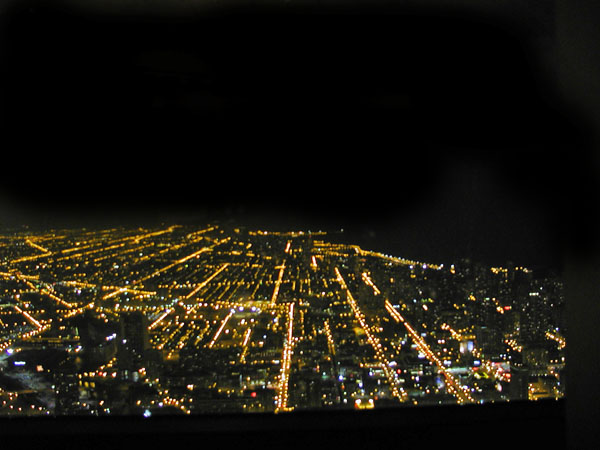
(66, 388)
(134, 342)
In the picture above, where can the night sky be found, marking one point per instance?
(430, 135)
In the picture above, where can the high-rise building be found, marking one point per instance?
(518, 389)
(134, 332)
(66, 388)
(134, 341)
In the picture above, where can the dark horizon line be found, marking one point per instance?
(343, 235)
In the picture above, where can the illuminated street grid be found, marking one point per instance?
(182, 320)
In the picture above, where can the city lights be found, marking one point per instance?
(214, 319)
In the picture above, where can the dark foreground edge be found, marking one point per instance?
(507, 425)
